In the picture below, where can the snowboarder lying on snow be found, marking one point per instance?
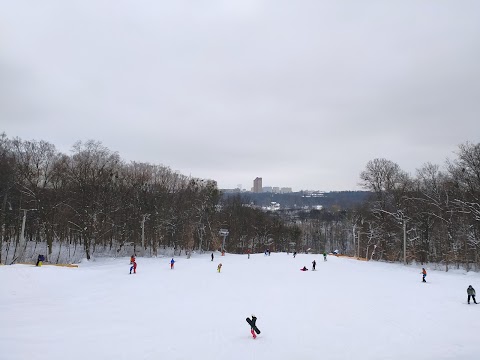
(304, 269)
(471, 293)
(253, 327)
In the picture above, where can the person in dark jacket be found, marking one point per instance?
(471, 294)
(314, 263)
(40, 260)
(212, 256)
(304, 269)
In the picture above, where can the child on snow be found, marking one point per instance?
(471, 293)
(424, 274)
(133, 267)
(219, 267)
(171, 263)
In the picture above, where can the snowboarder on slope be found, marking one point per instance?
(424, 274)
(254, 320)
(171, 263)
(471, 293)
(314, 263)
(219, 267)
(133, 267)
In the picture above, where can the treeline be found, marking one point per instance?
(433, 216)
(92, 199)
(296, 200)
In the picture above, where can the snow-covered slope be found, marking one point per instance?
(347, 309)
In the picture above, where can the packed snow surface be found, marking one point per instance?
(347, 309)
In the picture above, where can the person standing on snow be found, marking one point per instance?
(133, 267)
(471, 293)
(171, 264)
(424, 274)
(324, 256)
(294, 253)
(219, 267)
(212, 256)
(314, 263)
(132, 259)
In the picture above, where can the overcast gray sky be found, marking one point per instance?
(300, 93)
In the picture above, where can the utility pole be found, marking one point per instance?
(404, 242)
(145, 218)
(358, 239)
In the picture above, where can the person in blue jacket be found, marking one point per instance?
(171, 263)
(40, 260)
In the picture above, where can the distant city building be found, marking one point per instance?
(257, 185)
(286, 190)
(267, 189)
(276, 189)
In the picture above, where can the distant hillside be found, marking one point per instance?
(302, 199)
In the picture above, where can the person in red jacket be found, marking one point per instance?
(133, 267)
(132, 259)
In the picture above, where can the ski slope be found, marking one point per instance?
(347, 309)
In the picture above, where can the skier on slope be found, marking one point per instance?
(172, 262)
(471, 293)
(314, 263)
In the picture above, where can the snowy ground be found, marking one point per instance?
(347, 309)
